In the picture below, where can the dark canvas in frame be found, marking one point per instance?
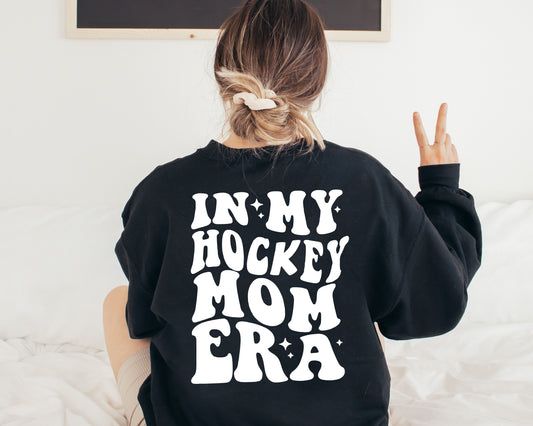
(360, 15)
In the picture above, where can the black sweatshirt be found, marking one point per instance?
(259, 281)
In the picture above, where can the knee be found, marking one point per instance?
(115, 300)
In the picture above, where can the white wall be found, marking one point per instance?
(82, 121)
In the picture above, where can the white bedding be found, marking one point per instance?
(477, 375)
(480, 374)
(49, 385)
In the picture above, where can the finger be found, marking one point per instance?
(455, 155)
(440, 131)
(420, 133)
(448, 139)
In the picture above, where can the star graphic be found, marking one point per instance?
(256, 204)
(285, 344)
(337, 209)
(260, 215)
(339, 342)
(290, 355)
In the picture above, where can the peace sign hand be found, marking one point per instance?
(442, 151)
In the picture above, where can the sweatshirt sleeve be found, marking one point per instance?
(439, 260)
(140, 250)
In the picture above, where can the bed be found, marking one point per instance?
(57, 263)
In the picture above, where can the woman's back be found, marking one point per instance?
(259, 281)
(256, 276)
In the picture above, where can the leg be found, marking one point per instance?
(130, 358)
(118, 342)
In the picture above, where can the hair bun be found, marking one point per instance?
(279, 45)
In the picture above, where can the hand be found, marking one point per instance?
(442, 151)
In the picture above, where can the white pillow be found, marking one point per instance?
(56, 266)
(502, 289)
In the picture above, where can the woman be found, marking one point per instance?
(257, 267)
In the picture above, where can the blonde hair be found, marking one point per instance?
(279, 46)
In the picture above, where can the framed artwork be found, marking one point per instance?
(351, 20)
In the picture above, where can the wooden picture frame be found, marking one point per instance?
(75, 31)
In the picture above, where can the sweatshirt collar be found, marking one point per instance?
(218, 151)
